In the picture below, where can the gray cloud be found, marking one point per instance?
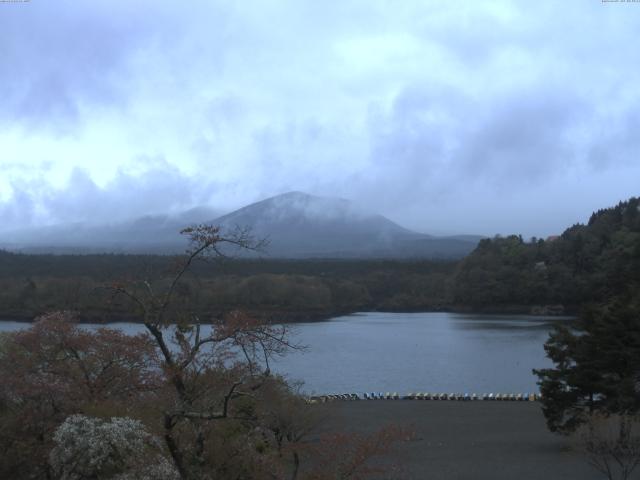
(433, 139)
(432, 113)
(61, 58)
(159, 190)
(523, 138)
(618, 137)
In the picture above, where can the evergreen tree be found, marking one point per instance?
(597, 366)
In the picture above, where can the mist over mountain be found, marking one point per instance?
(295, 225)
(147, 234)
(299, 225)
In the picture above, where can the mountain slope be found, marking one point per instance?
(299, 225)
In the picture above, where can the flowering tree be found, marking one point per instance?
(121, 448)
(55, 369)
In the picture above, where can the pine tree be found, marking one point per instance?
(597, 366)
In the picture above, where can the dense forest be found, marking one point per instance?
(281, 290)
(587, 263)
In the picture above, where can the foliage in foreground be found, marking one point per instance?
(595, 381)
(197, 396)
(597, 366)
(55, 369)
(77, 404)
(118, 448)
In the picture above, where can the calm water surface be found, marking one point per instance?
(404, 352)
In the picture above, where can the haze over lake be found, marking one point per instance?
(404, 352)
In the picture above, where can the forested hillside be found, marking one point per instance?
(587, 263)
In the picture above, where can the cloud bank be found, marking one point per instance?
(448, 117)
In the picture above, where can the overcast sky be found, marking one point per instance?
(446, 116)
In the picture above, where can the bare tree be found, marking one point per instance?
(354, 456)
(612, 444)
(208, 368)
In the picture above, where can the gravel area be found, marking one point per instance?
(469, 440)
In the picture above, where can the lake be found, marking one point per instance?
(406, 352)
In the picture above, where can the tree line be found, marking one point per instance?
(280, 290)
(586, 263)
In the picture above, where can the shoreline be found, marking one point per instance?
(310, 316)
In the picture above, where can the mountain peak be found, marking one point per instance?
(293, 194)
(297, 197)
(296, 207)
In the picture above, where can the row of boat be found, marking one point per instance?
(504, 397)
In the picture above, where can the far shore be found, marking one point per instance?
(306, 316)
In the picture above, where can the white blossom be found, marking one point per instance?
(117, 449)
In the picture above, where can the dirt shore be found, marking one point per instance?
(469, 440)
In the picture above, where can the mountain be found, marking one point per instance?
(298, 225)
(295, 224)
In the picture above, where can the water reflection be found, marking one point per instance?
(506, 322)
